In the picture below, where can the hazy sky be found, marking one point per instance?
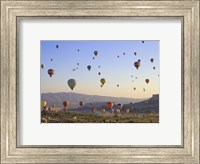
(116, 71)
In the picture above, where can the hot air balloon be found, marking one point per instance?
(51, 59)
(51, 72)
(137, 65)
(152, 60)
(135, 53)
(95, 53)
(154, 68)
(57, 46)
(118, 56)
(127, 110)
(134, 88)
(99, 66)
(119, 106)
(43, 103)
(143, 41)
(136, 77)
(109, 105)
(118, 111)
(124, 53)
(93, 58)
(103, 111)
(117, 85)
(78, 50)
(71, 83)
(89, 67)
(93, 110)
(103, 81)
(65, 104)
(144, 89)
(99, 73)
(77, 63)
(158, 75)
(147, 81)
(81, 104)
(139, 60)
(42, 66)
(101, 85)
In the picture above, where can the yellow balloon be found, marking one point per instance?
(103, 81)
(44, 103)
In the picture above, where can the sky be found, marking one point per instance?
(116, 71)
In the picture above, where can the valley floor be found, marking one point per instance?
(77, 117)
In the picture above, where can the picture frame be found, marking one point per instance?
(12, 10)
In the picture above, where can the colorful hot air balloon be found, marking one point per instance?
(103, 111)
(127, 110)
(81, 104)
(71, 83)
(89, 67)
(42, 66)
(43, 103)
(147, 81)
(51, 72)
(120, 106)
(152, 60)
(118, 111)
(95, 53)
(65, 103)
(103, 81)
(110, 105)
(137, 64)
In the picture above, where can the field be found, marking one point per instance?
(55, 116)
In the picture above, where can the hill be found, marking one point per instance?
(75, 98)
(148, 106)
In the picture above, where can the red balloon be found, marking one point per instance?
(65, 104)
(109, 105)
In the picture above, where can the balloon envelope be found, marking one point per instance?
(95, 53)
(110, 105)
(44, 103)
(103, 81)
(42, 66)
(81, 104)
(72, 83)
(147, 81)
(152, 60)
(137, 64)
(65, 103)
(51, 72)
(89, 67)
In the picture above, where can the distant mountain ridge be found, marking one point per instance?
(148, 106)
(75, 98)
